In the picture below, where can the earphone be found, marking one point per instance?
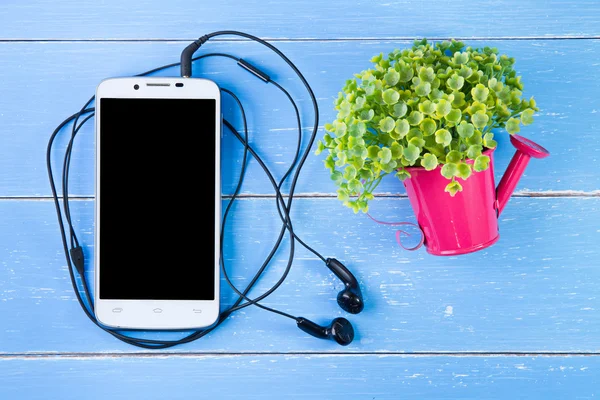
(349, 299)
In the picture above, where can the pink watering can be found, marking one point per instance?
(468, 221)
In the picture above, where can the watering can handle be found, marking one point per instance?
(399, 232)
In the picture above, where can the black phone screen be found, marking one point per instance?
(157, 199)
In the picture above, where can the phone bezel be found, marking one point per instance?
(158, 314)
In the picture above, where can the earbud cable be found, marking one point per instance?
(283, 210)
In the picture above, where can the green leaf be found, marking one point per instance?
(359, 151)
(453, 188)
(512, 125)
(329, 163)
(377, 58)
(402, 174)
(373, 151)
(449, 170)
(343, 195)
(355, 141)
(366, 174)
(427, 107)
(474, 151)
(423, 89)
(443, 137)
(465, 71)
(417, 141)
(453, 156)
(399, 109)
(353, 204)
(345, 109)
(367, 115)
(397, 150)
(357, 129)
(488, 141)
(455, 82)
(340, 128)
(411, 153)
(481, 163)
(389, 167)
(495, 85)
(385, 155)
(359, 102)
(527, 117)
(480, 119)
(359, 162)
(349, 172)
(387, 124)
(443, 108)
(533, 104)
(504, 94)
(428, 126)
(401, 128)
(454, 116)
(337, 177)
(355, 186)
(406, 72)
(426, 74)
(391, 77)
(391, 96)
(460, 58)
(429, 162)
(476, 106)
(464, 170)
(459, 99)
(320, 148)
(475, 139)
(415, 118)
(480, 93)
(436, 94)
(465, 129)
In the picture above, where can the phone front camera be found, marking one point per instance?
(136, 87)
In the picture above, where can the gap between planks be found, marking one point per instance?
(90, 356)
(550, 194)
(283, 40)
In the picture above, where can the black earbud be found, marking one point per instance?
(340, 330)
(350, 298)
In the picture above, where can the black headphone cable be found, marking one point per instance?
(76, 252)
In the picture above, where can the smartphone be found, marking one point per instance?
(158, 203)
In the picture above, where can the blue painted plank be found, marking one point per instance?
(320, 377)
(560, 74)
(534, 290)
(182, 19)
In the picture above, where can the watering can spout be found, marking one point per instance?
(525, 150)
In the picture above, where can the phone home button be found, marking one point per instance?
(157, 310)
(117, 310)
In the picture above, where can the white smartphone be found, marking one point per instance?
(158, 203)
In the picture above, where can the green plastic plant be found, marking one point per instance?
(427, 106)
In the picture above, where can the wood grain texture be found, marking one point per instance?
(180, 19)
(64, 76)
(533, 291)
(319, 377)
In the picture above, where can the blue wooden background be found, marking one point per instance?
(517, 320)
